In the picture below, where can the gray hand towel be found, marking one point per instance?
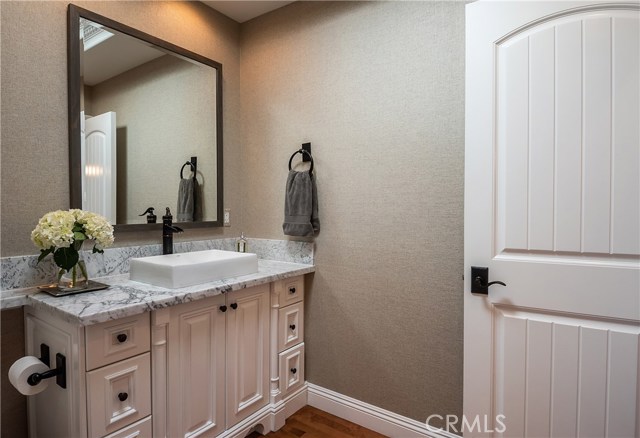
(301, 205)
(198, 199)
(185, 201)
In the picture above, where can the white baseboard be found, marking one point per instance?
(369, 416)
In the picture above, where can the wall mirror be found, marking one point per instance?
(145, 118)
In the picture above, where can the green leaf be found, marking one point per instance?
(44, 253)
(77, 227)
(66, 258)
(77, 235)
(99, 251)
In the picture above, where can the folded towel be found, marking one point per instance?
(185, 200)
(301, 205)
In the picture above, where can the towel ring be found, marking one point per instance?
(303, 152)
(193, 169)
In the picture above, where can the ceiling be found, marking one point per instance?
(241, 11)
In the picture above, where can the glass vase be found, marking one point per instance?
(75, 278)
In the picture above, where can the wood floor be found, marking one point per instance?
(310, 422)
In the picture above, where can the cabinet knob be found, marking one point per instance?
(223, 308)
(293, 370)
(292, 326)
(122, 396)
(292, 290)
(234, 306)
(122, 337)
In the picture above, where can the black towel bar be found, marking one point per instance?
(303, 152)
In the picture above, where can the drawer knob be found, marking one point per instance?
(223, 309)
(122, 396)
(234, 306)
(292, 290)
(292, 326)
(293, 370)
(122, 337)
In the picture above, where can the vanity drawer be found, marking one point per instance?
(290, 290)
(291, 369)
(141, 429)
(112, 341)
(290, 326)
(118, 395)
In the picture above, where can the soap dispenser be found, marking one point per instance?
(151, 217)
(241, 244)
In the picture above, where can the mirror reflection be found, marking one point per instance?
(148, 130)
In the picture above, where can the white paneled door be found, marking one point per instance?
(552, 209)
(98, 161)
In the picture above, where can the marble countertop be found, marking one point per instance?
(125, 297)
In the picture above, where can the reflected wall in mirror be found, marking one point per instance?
(139, 109)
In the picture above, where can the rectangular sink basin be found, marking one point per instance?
(188, 269)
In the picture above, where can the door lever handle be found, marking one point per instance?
(496, 282)
(480, 283)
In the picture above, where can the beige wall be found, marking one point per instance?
(33, 76)
(13, 404)
(163, 116)
(378, 88)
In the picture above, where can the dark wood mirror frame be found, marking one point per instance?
(73, 78)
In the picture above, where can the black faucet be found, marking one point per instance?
(167, 232)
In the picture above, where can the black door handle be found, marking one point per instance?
(480, 280)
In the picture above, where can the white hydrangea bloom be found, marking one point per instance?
(96, 227)
(55, 229)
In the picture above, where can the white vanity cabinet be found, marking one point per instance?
(225, 364)
(216, 366)
(217, 361)
(108, 377)
(288, 301)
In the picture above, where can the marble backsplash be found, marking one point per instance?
(25, 271)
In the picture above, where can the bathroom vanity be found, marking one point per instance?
(217, 359)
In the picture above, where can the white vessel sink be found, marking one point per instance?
(191, 268)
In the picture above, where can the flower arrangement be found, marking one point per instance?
(62, 234)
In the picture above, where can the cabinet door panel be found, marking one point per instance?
(141, 429)
(112, 341)
(196, 368)
(247, 352)
(291, 364)
(290, 290)
(290, 326)
(118, 395)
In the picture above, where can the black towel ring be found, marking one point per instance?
(193, 169)
(302, 151)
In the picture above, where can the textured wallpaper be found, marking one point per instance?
(378, 89)
(33, 81)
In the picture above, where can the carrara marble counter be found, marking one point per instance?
(125, 297)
